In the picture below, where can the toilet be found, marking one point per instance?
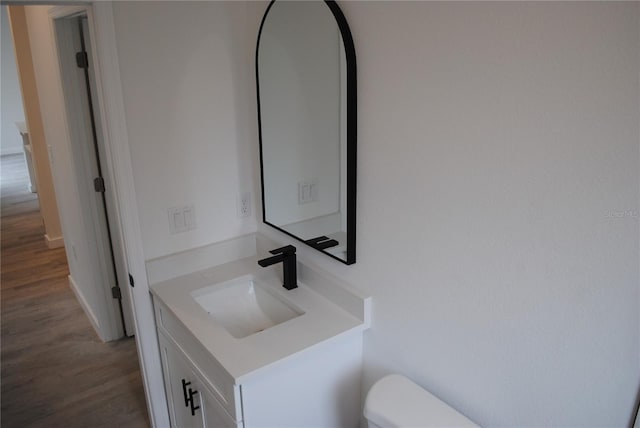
(396, 402)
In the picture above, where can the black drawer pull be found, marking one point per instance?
(188, 397)
(184, 392)
(193, 408)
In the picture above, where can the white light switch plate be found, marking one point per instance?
(181, 219)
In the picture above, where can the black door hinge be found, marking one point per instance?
(82, 60)
(131, 281)
(115, 292)
(98, 184)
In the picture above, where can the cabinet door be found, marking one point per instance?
(214, 415)
(181, 388)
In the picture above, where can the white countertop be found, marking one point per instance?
(322, 320)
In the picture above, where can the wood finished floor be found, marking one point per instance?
(55, 371)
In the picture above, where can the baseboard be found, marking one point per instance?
(186, 262)
(16, 151)
(85, 306)
(54, 242)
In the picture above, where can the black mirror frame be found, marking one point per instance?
(352, 133)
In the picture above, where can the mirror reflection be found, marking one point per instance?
(306, 96)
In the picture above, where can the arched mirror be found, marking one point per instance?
(306, 79)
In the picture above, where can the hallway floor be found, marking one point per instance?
(55, 371)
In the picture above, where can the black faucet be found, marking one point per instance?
(286, 255)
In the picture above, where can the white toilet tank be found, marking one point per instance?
(396, 402)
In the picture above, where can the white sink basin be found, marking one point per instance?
(244, 307)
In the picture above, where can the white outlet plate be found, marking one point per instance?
(244, 204)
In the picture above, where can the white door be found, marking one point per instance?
(106, 199)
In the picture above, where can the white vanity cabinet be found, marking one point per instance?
(302, 371)
(319, 387)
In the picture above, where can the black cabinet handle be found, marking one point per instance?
(184, 392)
(188, 397)
(193, 408)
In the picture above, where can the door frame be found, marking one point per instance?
(119, 155)
(110, 108)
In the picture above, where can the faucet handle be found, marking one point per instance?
(287, 249)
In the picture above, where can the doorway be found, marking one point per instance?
(54, 375)
(79, 87)
(64, 124)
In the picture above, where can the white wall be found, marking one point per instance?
(11, 99)
(185, 73)
(497, 186)
(498, 183)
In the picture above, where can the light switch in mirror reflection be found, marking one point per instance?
(305, 67)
